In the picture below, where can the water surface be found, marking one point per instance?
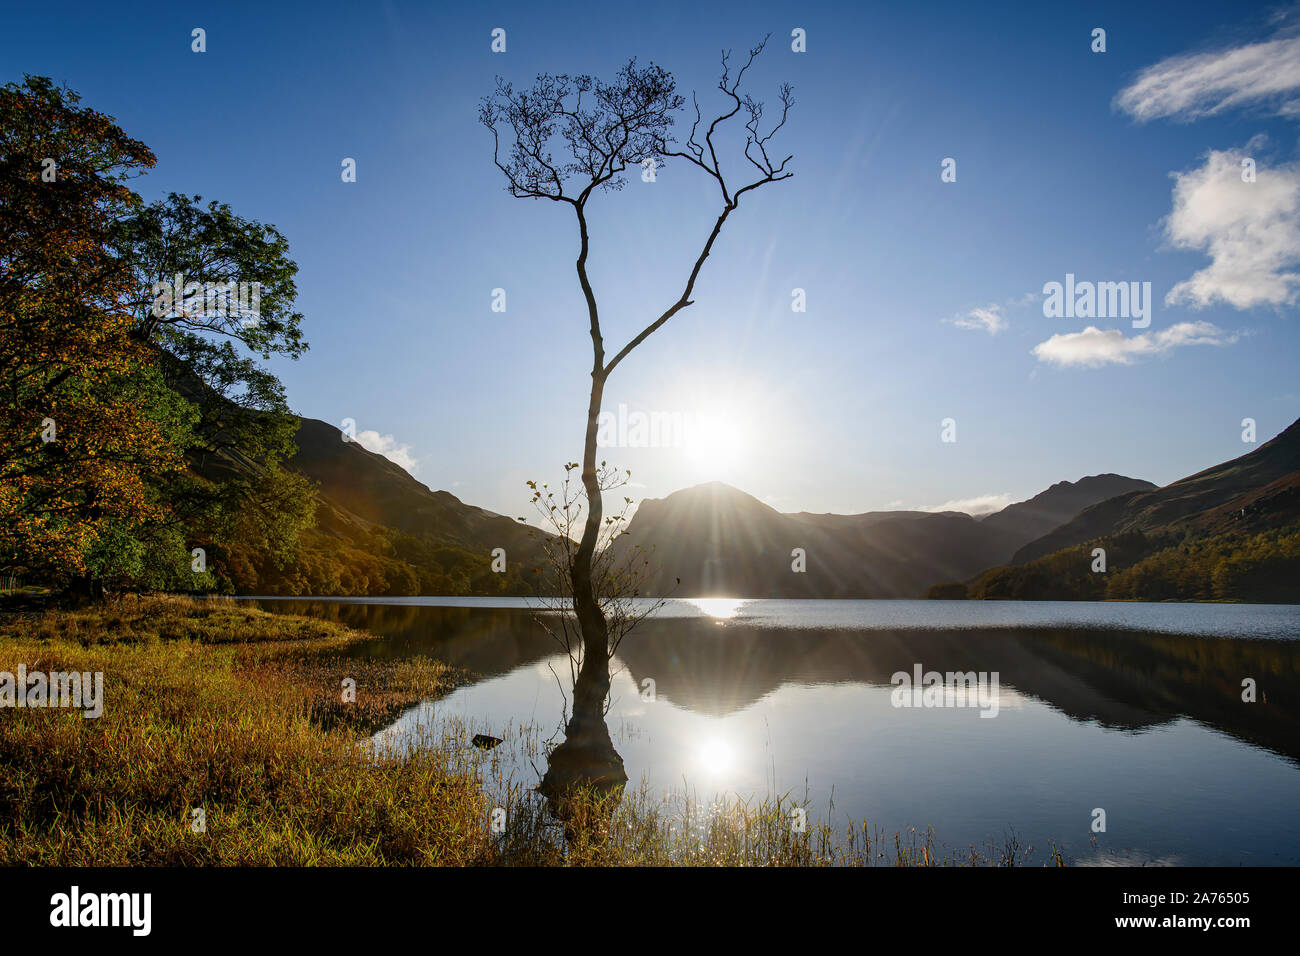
(1132, 708)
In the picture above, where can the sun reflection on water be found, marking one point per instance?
(720, 608)
(716, 756)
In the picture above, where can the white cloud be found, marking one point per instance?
(979, 505)
(387, 445)
(988, 319)
(1093, 348)
(1250, 231)
(1192, 85)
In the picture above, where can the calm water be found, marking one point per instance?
(1132, 708)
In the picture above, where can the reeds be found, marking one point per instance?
(220, 707)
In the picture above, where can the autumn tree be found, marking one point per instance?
(79, 427)
(568, 139)
(213, 293)
(139, 424)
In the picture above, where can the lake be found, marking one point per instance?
(1134, 709)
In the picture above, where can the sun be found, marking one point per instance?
(715, 444)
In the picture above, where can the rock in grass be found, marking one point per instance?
(484, 742)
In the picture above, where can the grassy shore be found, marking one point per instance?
(221, 707)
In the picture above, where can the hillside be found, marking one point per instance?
(379, 531)
(1048, 510)
(369, 487)
(1228, 533)
(1261, 567)
(1257, 491)
(719, 540)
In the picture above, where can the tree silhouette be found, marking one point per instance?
(599, 130)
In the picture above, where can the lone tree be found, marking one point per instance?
(600, 130)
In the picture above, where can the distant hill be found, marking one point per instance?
(369, 487)
(1258, 491)
(719, 540)
(379, 531)
(1029, 520)
(1228, 533)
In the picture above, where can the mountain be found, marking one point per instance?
(1228, 533)
(1047, 510)
(374, 529)
(719, 540)
(1258, 491)
(368, 486)
(379, 531)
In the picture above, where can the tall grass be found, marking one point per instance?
(222, 707)
(216, 705)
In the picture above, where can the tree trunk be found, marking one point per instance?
(85, 589)
(591, 620)
(587, 758)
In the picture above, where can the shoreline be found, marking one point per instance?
(198, 716)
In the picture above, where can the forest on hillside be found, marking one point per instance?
(1260, 567)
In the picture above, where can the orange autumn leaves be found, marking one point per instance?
(76, 441)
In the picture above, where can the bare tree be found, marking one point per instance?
(600, 130)
(615, 580)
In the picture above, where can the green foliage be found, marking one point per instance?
(210, 244)
(378, 562)
(1261, 568)
(79, 443)
(170, 433)
(237, 498)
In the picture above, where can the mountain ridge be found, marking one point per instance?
(1201, 502)
(717, 539)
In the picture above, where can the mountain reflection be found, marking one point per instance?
(1119, 679)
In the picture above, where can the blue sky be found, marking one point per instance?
(834, 409)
